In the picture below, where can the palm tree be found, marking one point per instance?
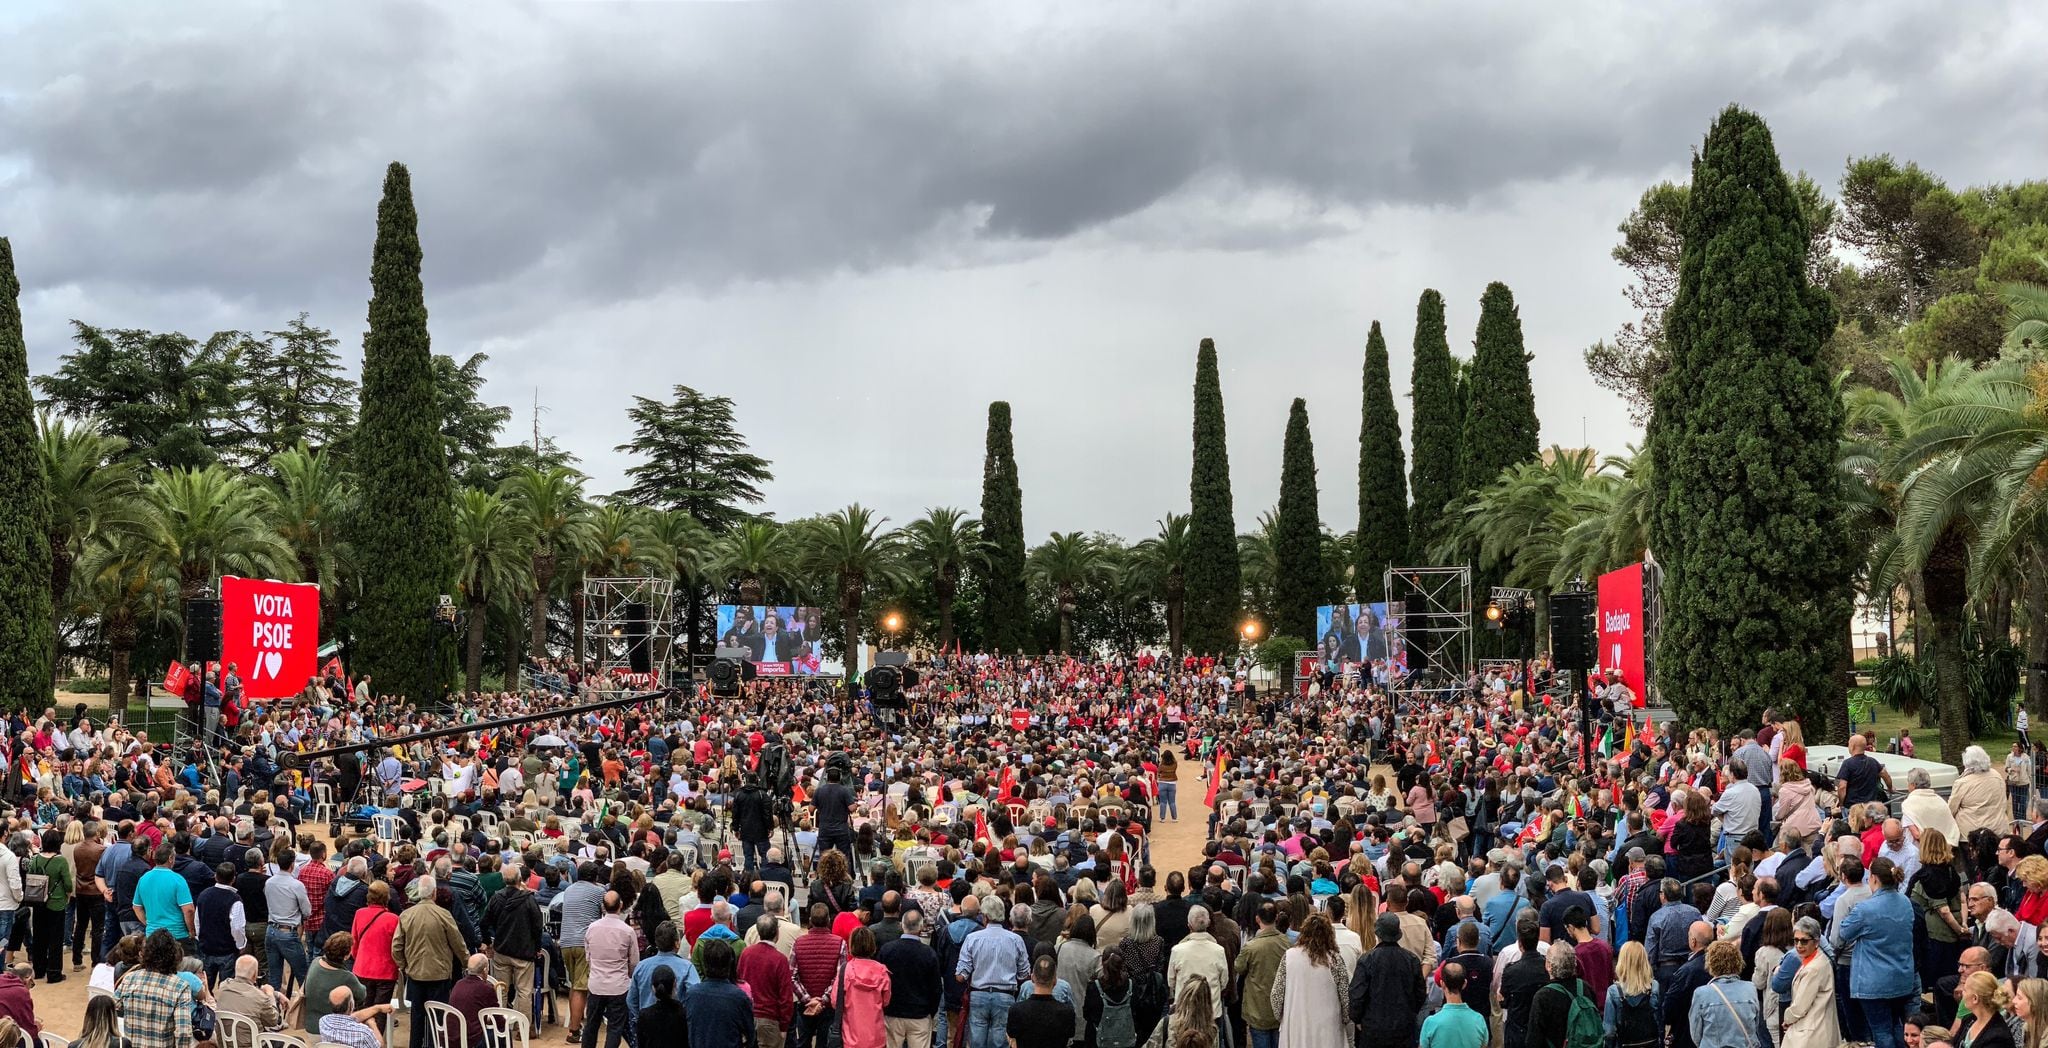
(494, 542)
(1524, 518)
(1255, 551)
(850, 547)
(1947, 504)
(123, 582)
(551, 500)
(942, 543)
(2026, 312)
(207, 522)
(619, 548)
(310, 499)
(679, 550)
(758, 552)
(1066, 562)
(89, 490)
(1162, 561)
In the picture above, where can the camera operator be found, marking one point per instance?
(834, 803)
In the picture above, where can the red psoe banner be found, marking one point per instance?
(1621, 629)
(1020, 720)
(271, 632)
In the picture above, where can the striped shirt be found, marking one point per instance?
(582, 905)
(156, 1010)
(318, 878)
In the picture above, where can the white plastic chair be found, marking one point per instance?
(238, 1031)
(447, 1026)
(505, 1028)
(50, 1040)
(279, 1039)
(387, 827)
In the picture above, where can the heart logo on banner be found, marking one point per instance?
(271, 661)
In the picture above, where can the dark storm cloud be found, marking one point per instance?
(606, 151)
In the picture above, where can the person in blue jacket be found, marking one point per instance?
(1883, 981)
(721, 1015)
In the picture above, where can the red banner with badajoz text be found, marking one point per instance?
(1621, 628)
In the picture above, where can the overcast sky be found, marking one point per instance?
(865, 221)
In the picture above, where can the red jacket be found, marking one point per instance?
(766, 972)
(18, 1005)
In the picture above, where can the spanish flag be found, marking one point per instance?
(1628, 738)
(1215, 778)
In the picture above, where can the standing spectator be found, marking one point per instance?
(1550, 1012)
(1808, 989)
(993, 964)
(372, 931)
(2019, 777)
(1520, 974)
(1386, 991)
(430, 953)
(582, 904)
(47, 926)
(613, 948)
(666, 942)
(89, 905)
(1258, 965)
(163, 901)
(512, 932)
(662, 1023)
(318, 877)
(223, 926)
(1455, 1025)
(1040, 1019)
(156, 1005)
(1683, 983)
(817, 962)
(719, 1012)
(1724, 1011)
(1977, 799)
(1883, 978)
(1630, 1015)
(766, 972)
(916, 985)
(1200, 956)
(861, 992)
(1772, 945)
(1596, 958)
(290, 909)
(1309, 996)
(349, 893)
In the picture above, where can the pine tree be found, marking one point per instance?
(1500, 416)
(28, 638)
(1301, 582)
(1434, 480)
(1746, 502)
(1005, 609)
(1214, 577)
(1382, 478)
(404, 535)
(696, 459)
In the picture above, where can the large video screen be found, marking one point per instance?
(1352, 635)
(781, 641)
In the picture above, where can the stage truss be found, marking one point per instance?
(621, 614)
(1437, 621)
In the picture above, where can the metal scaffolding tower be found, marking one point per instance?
(1436, 620)
(629, 632)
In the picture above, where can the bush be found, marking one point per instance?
(1868, 665)
(87, 685)
(1277, 653)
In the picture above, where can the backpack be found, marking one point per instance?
(35, 887)
(1148, 991)
(1583, 1027)
(1116, 1029)
(1637, 1022)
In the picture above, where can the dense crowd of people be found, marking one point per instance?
(1382, 866)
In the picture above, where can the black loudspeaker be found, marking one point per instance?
(202, 629)
(1574, 636)
(638, 654)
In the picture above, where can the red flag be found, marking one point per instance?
(980, 825)
(177, 678)
(1009, 782)
(1215, 778)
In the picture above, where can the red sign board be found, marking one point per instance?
(177, 679)
(1621, 629)
(270, 631)
(1020, 720)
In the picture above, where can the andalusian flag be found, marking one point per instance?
(1215, 778)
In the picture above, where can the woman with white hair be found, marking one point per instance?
(1978, 799)
(1143, 954)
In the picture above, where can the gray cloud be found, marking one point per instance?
(715, 169)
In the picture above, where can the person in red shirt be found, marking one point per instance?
(770, 981)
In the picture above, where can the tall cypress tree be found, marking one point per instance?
(1382, 478)
(1746, 502)
(1300, 582)
(1214, 576)
(404, 534)
(1005, 610)
(1434, 480)
(1500, 413)
(28, 631)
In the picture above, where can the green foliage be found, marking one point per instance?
(1301, 582)
(293, 390)
(1214, 576)
(1276, 654)
(557, 520)
(1066, 563)
(1382, 538)
(163, 394)
(1005, 607)
(849, 547)
(404, 536)
(1965, 326)
(469, 427)
(1434, 480)
(1160, 565)
(1746, 512)
(27, 633)
(696, 459)
(493, 540)
(1993, 682)
(939, 547)
(1500, 422)
(1542, 524)
(88, 686)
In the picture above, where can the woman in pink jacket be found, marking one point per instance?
(860, 993)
